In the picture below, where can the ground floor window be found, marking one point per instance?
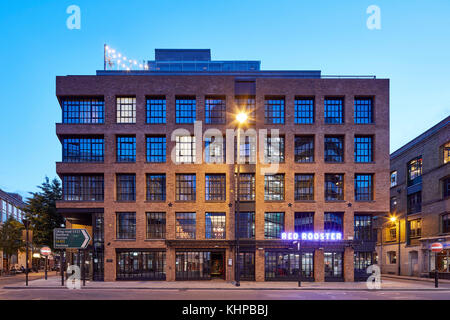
(333, 262)
(362, 259)
(285, 265)
(141, 265)
(247, 266)
(443, 259)
(193, 265)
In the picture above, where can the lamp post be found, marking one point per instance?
(26, 223)
(241, 118)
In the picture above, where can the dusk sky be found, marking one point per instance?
(412, 49)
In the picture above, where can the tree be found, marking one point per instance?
(42, 213)
(11, 238)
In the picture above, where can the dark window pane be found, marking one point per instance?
(126, 149)
(363, 148)
(304, 111)
(156, 149)
(156, 110)
(334, 149)
(334, 187)
(273, 225)
(274, 111)
(83, 110)
(156, 187)
(363, 187)
(185, 225)
(304, 149)
(126, 225)
(363, 110)
(304, 187)
(83, 149)
(334, 110)
(215, 225)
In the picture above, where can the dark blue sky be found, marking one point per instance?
(412, 49)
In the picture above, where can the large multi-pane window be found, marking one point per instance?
(363, 148)
(304, 222)
(273, 225)
(274, 150)
(215, 225)
(363, 187)
(193, 265)
(126, 225)
(156, 149)
(274, 110)
(274, 187)
(247, 187)
(126, 109)
(445, 223)
(185, 187)
(334, 110)
(334, 187)
(363, 110)
(83, 188)
(126, 187)
(215, 149)
(415, 228)
(246, 225)
(415, 171)
(156, 225)
(414, 202)
(446, 153)
(446, 188)
(156, 110)
(304, 149)
(156, 187)
(185, 225)
(304, 110)
(304, 187)
(89, 149)
(215, 187)
(333, 222)
(248, 105)
(363, 227)
(215, 110)
(140, 265)
(247, 149)
(334, 148)
(284, 265)
(83, 110)
(185, 110)
(126, 149)
(393, 178)
(185, 149)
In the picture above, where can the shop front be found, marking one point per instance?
(199, 264)
(140, 265)
(440, 260)
(283, 265)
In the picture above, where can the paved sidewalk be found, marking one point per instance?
(387, 284)
(392, 276)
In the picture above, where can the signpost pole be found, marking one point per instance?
(436, 274)
(300, 267)
(46, 263)
(83, 270)
(61, 264)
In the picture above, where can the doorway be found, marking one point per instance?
(217, 265)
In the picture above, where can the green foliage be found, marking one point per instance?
(41, 211)
(11, 238)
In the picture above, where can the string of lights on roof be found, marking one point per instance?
(114, 60)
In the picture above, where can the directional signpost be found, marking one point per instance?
(70, 239)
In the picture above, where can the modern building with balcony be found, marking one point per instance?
(150, 166)
(419, 206)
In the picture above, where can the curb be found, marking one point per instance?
(248, 289)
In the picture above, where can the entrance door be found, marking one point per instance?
(247, 265)
(414, 263)
(333, 266)
(217, 265)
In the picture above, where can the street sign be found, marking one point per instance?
(46, 251)
(71, 238)
(437, 247)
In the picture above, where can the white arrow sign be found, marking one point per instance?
(87, 238)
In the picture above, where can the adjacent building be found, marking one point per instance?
(420, 205)
(149, 168)
(11, 205)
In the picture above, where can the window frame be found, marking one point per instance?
(122, 115)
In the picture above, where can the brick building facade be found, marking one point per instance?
(420, 190)
(155, 219)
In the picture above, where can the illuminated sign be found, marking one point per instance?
(312, 236)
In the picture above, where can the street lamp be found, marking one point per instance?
(241, 118)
